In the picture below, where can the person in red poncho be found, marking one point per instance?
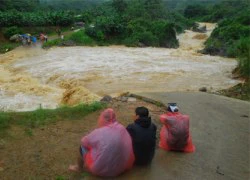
(175, 135)
(106, 151)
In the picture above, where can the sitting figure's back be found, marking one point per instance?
(175, 135)
(108, 149)
(143, 134)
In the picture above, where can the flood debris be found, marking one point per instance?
(106, 99)
(203, 89)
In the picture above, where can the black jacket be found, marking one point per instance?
(143, 134)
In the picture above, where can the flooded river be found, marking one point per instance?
(32, 77)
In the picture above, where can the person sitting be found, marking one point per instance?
(143, 134)
(106, 151)
(174, 135)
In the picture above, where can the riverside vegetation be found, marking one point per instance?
(42, 117)
(135, 23)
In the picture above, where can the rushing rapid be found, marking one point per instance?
(32, 77)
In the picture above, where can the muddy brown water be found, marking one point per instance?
(32, 77)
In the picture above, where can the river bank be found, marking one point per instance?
(33, 77)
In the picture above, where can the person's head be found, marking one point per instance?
(141, 112)
(172, 107)
(107, 117)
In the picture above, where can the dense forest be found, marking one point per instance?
(137, 22)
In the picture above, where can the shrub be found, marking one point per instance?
(39, 18)
(8, 32)
(166, 34)
(192, 11)
(243, 50)
(5, 47)
(80, 38)
(51, 43)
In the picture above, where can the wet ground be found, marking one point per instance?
(46, 152)
(33, 77)
(219, 128)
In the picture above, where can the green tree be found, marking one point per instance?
(119, 5)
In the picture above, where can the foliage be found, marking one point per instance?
(76, 5)
(5, 47)
(20, 5)
(243, 53)
(193, 11)
(80, 38)
(165, 33)
(8, 32)
(223, 10)
(231, 37)
(119, 5)
(61, 178)
(51, 43)
(239, 91)
(134, 25)
(223, 39)
(37, 18)
(179, 21)
(117, 21)
(44, 116)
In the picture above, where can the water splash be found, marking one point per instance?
(77, 74)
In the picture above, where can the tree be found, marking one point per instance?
(192, 11)
(154, 8)
(119, 5)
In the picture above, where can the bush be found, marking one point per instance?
(155, 33)
(193, 11)
(5, 47)
(148, 39)
(224, 38)
(41, 117)
(51, 43)
(166, 34)
(8, 32)
(80, 38)
(48, 18)
(243, 50)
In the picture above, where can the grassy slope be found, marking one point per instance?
(44, 116)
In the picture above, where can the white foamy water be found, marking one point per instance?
(67, 72)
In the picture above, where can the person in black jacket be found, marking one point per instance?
(143, 134)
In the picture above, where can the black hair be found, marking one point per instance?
(168, 109)
(141, 111)
(172, 104)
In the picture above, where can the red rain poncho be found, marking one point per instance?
(109, 148)
(174, 135)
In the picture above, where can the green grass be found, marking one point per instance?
(42, 117)
(80, 38)
(7, 46)
(50, 43)
(239, 91)
(28, 132)
(61, 178)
